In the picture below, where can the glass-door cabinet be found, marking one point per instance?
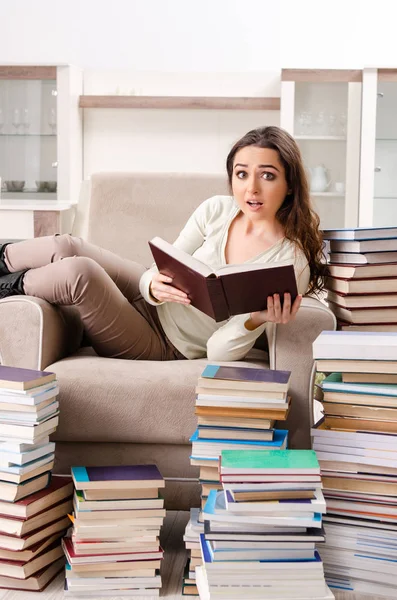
(40, 133)
(378, 189)
(322, 110)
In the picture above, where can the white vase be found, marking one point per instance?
(319, 181)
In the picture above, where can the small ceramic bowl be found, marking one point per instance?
(14, 186)
(46, 186)
(52, 186)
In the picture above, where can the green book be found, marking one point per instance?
(302, 462)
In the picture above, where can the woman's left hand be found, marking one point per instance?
(275, 313)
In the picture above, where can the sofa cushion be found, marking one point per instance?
(114, 400)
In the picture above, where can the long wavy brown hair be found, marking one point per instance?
(296, 214)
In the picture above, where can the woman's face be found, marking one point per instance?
(258, 182)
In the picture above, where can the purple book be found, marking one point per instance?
(121, 476)
(23, 379)
(246, 374)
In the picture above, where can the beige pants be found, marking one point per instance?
(103, 287)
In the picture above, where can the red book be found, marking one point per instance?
(75, 559)
(58, 489)
(231, 290)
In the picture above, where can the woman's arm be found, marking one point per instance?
(190, 238)
(235, 339)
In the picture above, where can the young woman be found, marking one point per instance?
(133, 313)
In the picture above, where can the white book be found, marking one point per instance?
(30, 397)
(261, 593)
(20, 470)
(28, 432)
(363, 460)
(20, 446)
(367, 258)
(29, 417)
(263, 508)
(245, 402)
(383, 441)
(267, 487)
(215, 399)
(334, 383)
(8, 459)
(356, 345)
(351, 584)
(389, 457)
(360, 233)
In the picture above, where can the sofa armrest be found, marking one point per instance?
(290, 348)
(34, 333)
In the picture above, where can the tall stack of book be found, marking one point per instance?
(114, 547)
(362, 286)
(33, 507)
(237, 408)
(356, 444)
(261, 529)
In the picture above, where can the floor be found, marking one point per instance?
(174, 562)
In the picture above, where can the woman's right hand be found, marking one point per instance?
(162, 291)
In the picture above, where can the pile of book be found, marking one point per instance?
(356, 444)
(362, 286)
(114, 548)
(33, 504)
(236, 408)
(261, 529)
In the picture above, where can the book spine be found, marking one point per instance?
(218, 299)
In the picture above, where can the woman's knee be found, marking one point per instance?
(65, 246)
(80, 268)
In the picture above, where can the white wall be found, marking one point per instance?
(212, 47)
(146, 35)
(199, 35)
(170, 140)
(338, 34)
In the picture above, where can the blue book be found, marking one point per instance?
(280, 437)
(208, 557)
(334, 383)
(215, 510)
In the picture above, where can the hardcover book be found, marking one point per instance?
(245, 378)
(23, 379)
(132, 476)
(302, 462)
(232, 290)
(360, 233)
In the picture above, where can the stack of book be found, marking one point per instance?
(114, 547)
(356, 444)
(33, 507)
(362, 286)
(237, 408)
(260, 530)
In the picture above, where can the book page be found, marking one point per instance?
(244, 267)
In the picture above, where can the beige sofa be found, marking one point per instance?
(115, 411)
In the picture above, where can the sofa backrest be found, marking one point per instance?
(128, 209)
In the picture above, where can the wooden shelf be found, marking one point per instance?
(321, 75)
(185, 102)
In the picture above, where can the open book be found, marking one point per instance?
(232, 290)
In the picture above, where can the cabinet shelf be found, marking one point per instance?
(23, 135)
(327, 194)
(185, 102)
(326, 138)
